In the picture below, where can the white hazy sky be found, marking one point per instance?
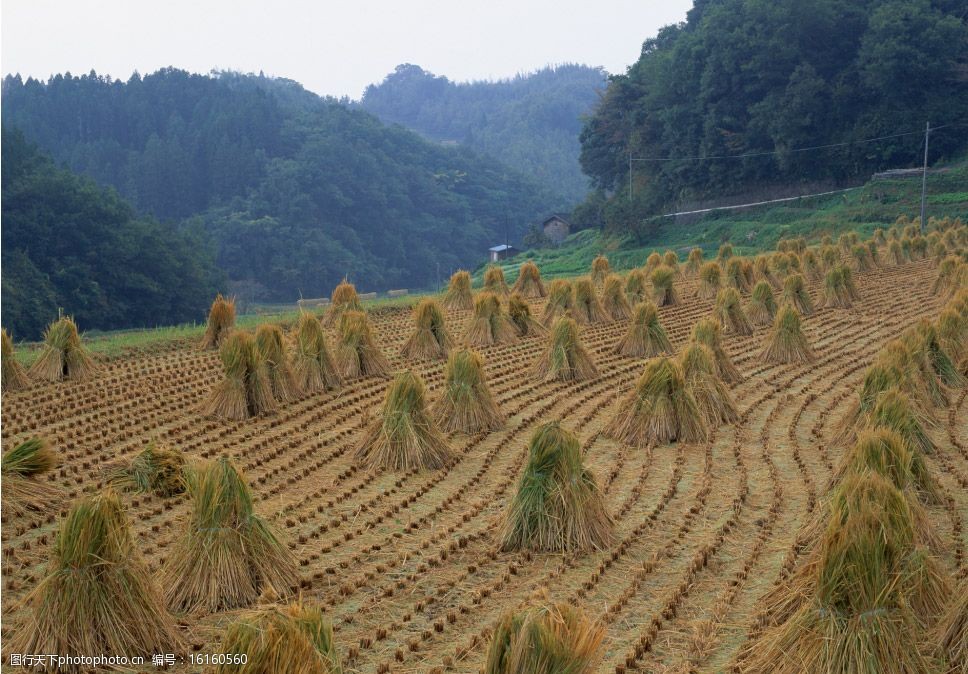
(334, 48)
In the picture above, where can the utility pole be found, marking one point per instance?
(630, 175)
(924, 180)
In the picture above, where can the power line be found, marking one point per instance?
(797, 149)
(762, 203)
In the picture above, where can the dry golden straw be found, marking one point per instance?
(561, 301)
(564, 359)
(459, 295)
(466, 403)
(558, 506)
(343, 299)
(63, 356)
(430, 339)
(494, 281)
(272, 347)
(658, 409)
(520, 314)
(707, 332)
(614, 301)
(226, 556)
(490, 324)
(221, 321)
(529, 284)
(23, 488)
(729, 312)
(311, 362)
(245, 390)
(14, 377)
(356, 353)
(588, 308)
(712, 396)
(645, 337)
(404, 437)
(786, 342)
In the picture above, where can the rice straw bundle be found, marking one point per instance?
(762, 305)
(490, 324)
(357, 353)
(23, 490)
(951, 632)
(221, 321)
(458, 295)
(725, 252)
(564, 359)
(836, 294)
(735, 278)
(558, 506)
(430, 339)
(63, 356)
(613, 299)
(561, 300)
(671, 260)
(862, 258)
(494, 281)
(892, 410)
(710, 281)
(645, 337)
(933, 360)
(652, 262)
(155, 470)
(663, 291)
(829, 256)
(404, 437)
(694, 261)
(226, 556)
(786, 342)
(878, 237)
(710, 393)
(556, 639)
(947, 280)
(658, 409)
(14, 377)
(780, 264)
(874, 253)
(761, 268)
(729, 312)
(271, 345)
(520, 314)
(295, 639)
(886, 453)
(600, 269)
(98, 596)
(588, 309)
(311, 363)
(953, 334)
(343, 299)
(529, 284)
(246, 390)
(466, 403)
(636, 286)
(870, 587)
(895, 254)
(810, 265)
(707, 332)
(795, 294)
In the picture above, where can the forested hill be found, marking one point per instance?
(70, 244)
(765, 78)
(530, 122)
(296, 191)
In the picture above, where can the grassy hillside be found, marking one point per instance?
(876, 204)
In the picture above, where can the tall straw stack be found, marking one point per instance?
(23, 490)
(600, 269)
(614, 301)
(694, 262)
(63, 356)
(357, 353)
(658, 409)
(459, 295)
(430, 339)
(564, 359)
(645, 337)
(98, 596)
(707, 332)
(494, 281)
(795, 293)
(311, 362)
(221, 321)
(710, 281)
(226, 555)
(490, 324)
(14, 377)
(663, 290)
(588, 309)
(561, 301)
(636, 286)
(466, 403)
(520, 314)
(529, 284)
(728, 310)
(343, 299)
(710, 393)
(245, 390)
(272, 347)
(786, 342)
(558, 506)
(762, 305)
(404, 437)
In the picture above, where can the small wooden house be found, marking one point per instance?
(501, 252)
(556, 229)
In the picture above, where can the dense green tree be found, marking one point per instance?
(748, 77)
(69, 244)
(530, 122)
(296, 191)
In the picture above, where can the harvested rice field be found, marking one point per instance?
(697, 516)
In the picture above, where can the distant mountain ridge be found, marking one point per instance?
(530, 122)
(295, 190)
